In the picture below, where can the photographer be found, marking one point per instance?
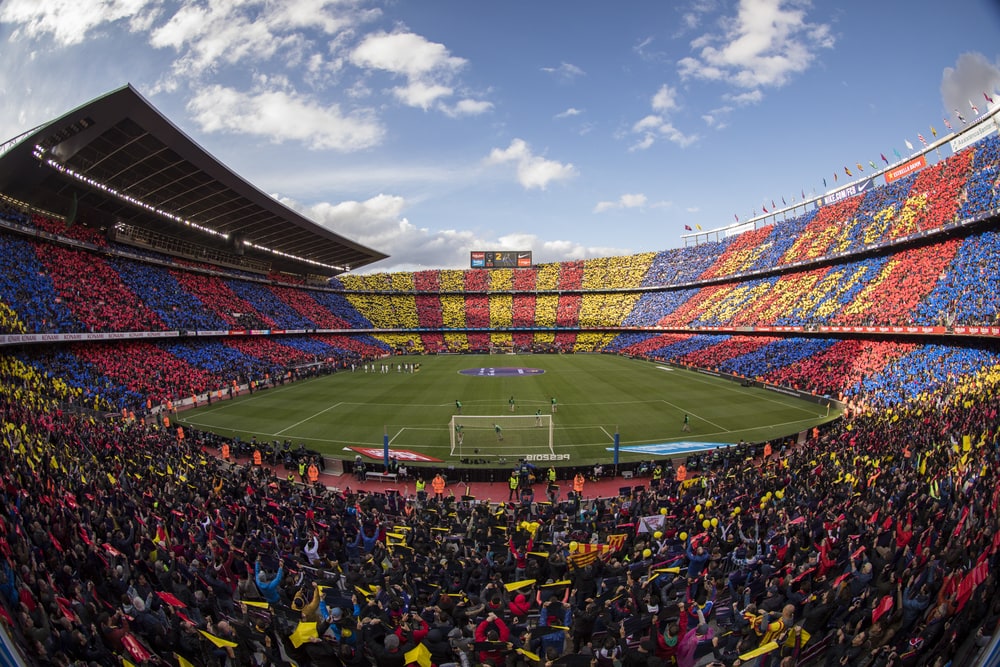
(412, 629)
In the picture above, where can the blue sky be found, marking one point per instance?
(575, 129)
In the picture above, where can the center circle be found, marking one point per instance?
(501, 371)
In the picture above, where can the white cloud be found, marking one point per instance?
(227, 32)
(421, 94)
(533, 171)
(745, 99)
(650, 122)
(468, 107)
(642, 144)
(764, 45)
(716, 118)
(379, 223)
(637, 200)
(569, 113)
(565, 71)
(654, 127)
(428, 67)
(665, 99)
(640, 47)
(404, 53)
(70, 22)
(972, 76)
(266, 113)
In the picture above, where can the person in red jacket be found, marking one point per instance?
(520, 557)
(519, 606)
(492, 629)
(412, 629)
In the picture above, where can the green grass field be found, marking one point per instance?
(596, 394)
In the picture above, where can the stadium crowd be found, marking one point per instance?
(874, 543)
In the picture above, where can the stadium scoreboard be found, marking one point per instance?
(501, 259)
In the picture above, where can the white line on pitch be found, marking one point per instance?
(676, 407)
(727, 386)
(303, 421)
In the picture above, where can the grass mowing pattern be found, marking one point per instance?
(596, 394)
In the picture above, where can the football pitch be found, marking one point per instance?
(597, 396)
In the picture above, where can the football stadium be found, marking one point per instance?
(228, 444)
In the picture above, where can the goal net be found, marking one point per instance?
(502, 435)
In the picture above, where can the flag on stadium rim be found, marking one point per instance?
(908, 144)
(988, 98)
(698, 227)
(974, 108)
(872, 163)
(860, 168)
(946, 123)
(922, 140)
(933, 131)
(848, 171)
(884, 158)
(688, 228)
(959, 115)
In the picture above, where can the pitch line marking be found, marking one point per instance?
(707, 421)
(303, 421)
(225, 404)
(696, 376)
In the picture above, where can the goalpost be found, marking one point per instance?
(521, 434)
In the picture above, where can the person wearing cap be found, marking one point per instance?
(388, 652)
(269, 588)
(342, 627)
(308, 610)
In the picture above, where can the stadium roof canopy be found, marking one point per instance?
(117, 159)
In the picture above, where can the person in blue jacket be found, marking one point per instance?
(268, 589)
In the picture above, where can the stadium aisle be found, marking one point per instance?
(493, 491)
